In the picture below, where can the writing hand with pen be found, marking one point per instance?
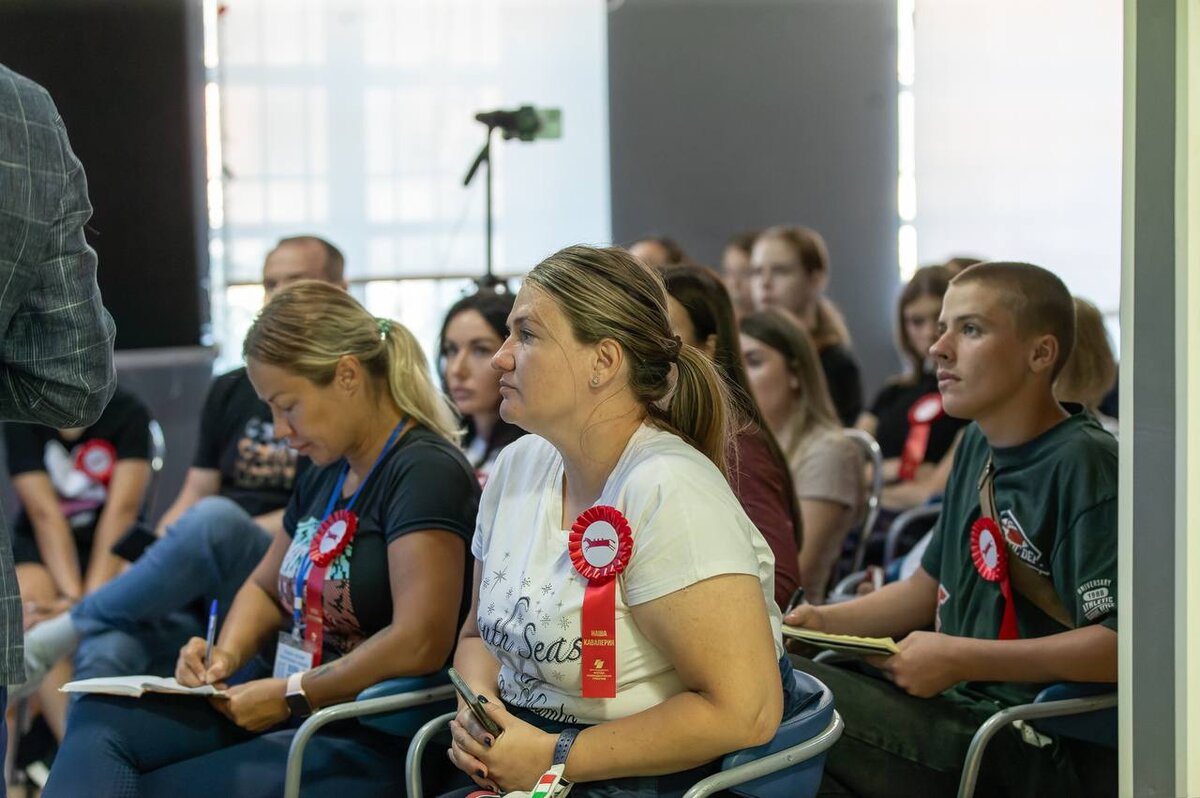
(255, 706)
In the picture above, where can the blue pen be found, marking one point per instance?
(212, 632)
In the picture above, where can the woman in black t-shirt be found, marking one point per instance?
(374, 552)
(916, 437)
(473, 330)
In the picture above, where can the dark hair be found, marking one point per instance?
(704, 297)
(927, 281)
(744, 241)
(494, 307)
(1039, 301)
(606, 293)
(335, 262)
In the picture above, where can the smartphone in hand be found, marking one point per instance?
(472, 700)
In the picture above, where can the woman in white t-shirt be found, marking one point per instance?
(623, 470)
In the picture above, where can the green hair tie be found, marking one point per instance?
(384, 325)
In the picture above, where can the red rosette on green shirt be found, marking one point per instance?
(990, 555)
(600, 545)
(329, 541)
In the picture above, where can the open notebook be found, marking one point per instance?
(847, 644)
(135, 686)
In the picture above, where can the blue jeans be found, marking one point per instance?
(137, 622)
(181, 747)
(671, 785)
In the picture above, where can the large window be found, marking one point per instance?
(353, 120)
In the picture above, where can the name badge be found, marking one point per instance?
(292, 655)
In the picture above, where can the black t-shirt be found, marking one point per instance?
(237, 438)
(80, 469)
(891, 408)
(845, 382)
(423, 483)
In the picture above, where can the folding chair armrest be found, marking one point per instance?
(772, 763)
(1034, 711)
(416, 750)
(351, 709)
(846, 588)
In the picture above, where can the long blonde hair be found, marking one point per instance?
(608, 293)
(309, 325)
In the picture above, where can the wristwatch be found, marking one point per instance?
(562, 748)
(297, 701)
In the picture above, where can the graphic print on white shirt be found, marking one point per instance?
(687, 526)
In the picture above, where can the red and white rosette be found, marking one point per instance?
(97, 458)
(600, 545)
(330, 540)
(990, 555)
(921, 416)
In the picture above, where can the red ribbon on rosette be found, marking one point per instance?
(330, 540)
(990, 555)
(600, 545)
(921, 416)
(97, 458)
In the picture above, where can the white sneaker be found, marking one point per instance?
(45, 645)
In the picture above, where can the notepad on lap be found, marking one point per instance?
(847, 644)
(136, 686)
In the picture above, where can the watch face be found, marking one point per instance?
(298, 705)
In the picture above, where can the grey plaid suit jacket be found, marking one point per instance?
(56, 339)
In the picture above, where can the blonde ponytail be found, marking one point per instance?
(308, 326)
(411, 385)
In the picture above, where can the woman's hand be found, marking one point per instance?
(255, 706)
(190, 670)
(36, 611)
(512, 761)
(806, 616)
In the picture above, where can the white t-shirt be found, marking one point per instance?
(687, 526)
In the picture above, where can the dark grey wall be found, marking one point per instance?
(732, 114)
(173, 384)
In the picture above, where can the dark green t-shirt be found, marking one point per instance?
(1056, 497)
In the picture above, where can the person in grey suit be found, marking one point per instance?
(56, 339)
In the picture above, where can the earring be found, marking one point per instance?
(595, 381)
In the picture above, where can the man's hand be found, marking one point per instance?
(255, 706)
(928, 664)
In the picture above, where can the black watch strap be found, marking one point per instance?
(562, 748)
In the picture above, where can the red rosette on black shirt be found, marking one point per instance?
(327, 544)
(990, 556)
(97, 458)
(921, 416)
(600, 545)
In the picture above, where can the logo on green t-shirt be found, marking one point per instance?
(1021, 545)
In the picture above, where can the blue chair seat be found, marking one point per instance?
(804, 778)
(1098, 727)
(405, 722)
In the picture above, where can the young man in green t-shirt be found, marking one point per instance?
(1007, 329)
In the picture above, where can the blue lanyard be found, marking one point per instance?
(306, 561)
